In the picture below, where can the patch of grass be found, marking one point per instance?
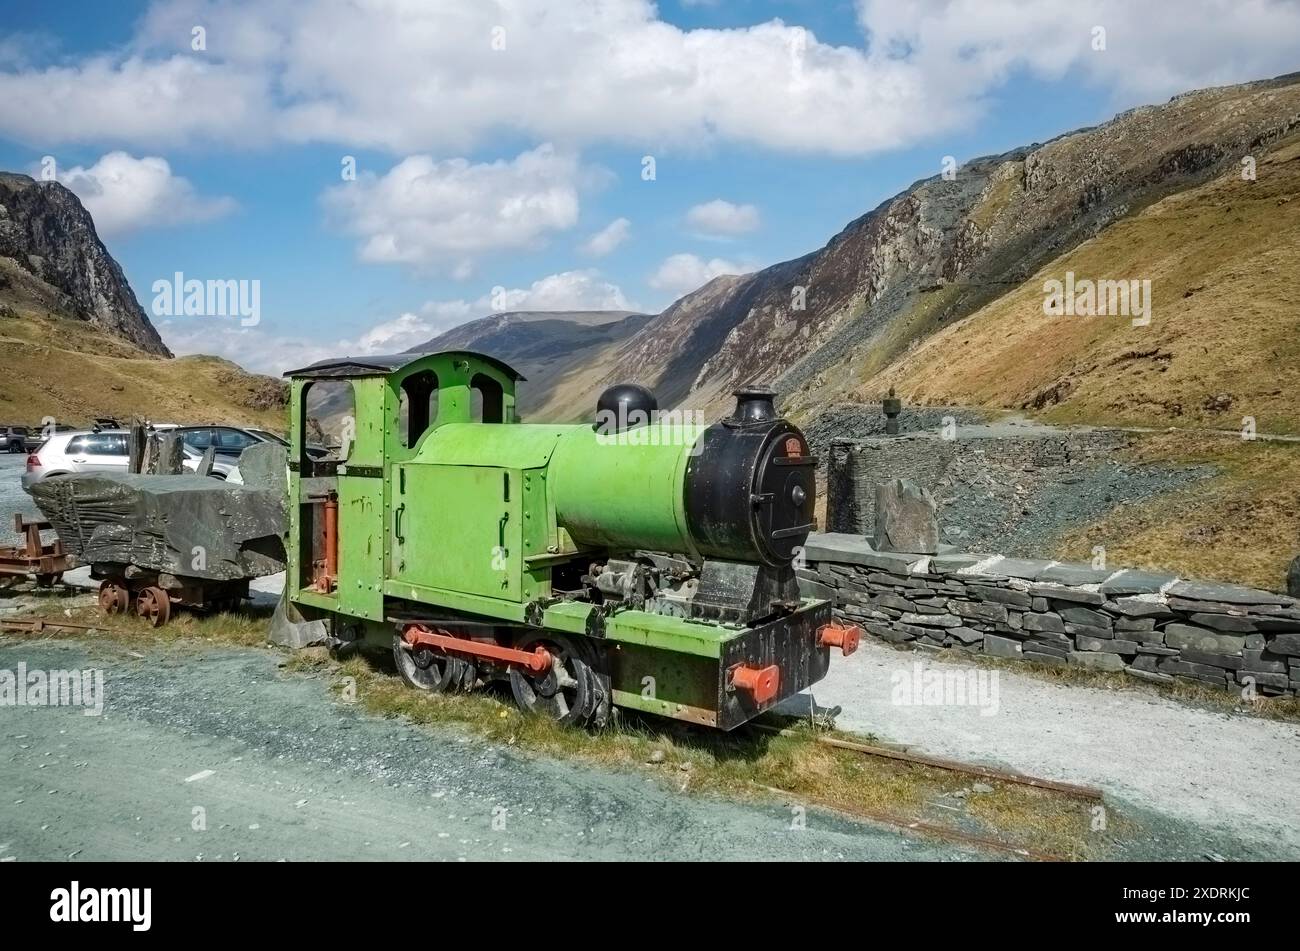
(1241, 525)
(1221, 259)
(75, 372)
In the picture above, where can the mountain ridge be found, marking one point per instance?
(931, 255)
(51, 255)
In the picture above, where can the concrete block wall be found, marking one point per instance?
(1152, 626)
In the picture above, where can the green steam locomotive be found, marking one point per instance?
(641, 561)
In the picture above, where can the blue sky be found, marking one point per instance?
(494, 140)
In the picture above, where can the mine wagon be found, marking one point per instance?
(640, 560)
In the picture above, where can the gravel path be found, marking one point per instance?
(280, 770)
(1234, 776)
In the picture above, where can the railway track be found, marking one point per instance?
(925, 827)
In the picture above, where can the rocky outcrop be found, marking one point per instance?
(46, 233)
(939, 251)
(905, 518)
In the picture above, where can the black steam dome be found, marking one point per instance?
(624, 406)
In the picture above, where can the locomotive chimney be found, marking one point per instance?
(754, 405)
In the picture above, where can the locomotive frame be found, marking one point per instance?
(573, 563)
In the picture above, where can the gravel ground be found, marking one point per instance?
(12, 497)
(282, 771)
(862, 421)
(1232, 777)
(1002, 502)
(1024, 511)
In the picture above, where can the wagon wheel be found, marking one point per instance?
(113, 598)
(425, 669)
(565, 692)
(154, 605)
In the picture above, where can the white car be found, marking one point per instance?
(104, 450)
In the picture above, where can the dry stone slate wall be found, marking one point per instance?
(1152, 626)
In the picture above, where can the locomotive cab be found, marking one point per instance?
(645, 564)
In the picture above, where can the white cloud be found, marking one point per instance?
(421, 75)
(682, 273)
(124, 194)
(608, 238)
(261, 351)
(568, 290)
(721, 219)
(139, 101)
(424, 212)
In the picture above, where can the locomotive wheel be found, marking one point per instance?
(565, 692)
(154, 605)
(426, 669)
(113, 598)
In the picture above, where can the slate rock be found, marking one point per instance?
(1262, 678)
(1135, 624)
(1085, 616)
(1288, 644)
(1044, 622)
(1027, 569)
(1141, 607)
(996, 646)
(1276, 625)
(1109, 645)
(1073, 574)
(1096, 660)
(931, 620)
(1184, 636)
(981, 610)
(1263, 661)
(1132, 581)
(1228, 623)
(1039, 657)
(1211, 659)
(948, 564)
(842, 549)
(1061, 593)
(906, 519)
(1087, 630)
(966, 635)
(1007, 596)
(1044, 647)
(1225, 593)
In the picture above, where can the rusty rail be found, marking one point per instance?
(920, 826)
(37, 625)
(984, 772)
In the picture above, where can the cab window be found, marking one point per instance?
(417, 406)
(487, 399)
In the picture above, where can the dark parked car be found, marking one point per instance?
(226, 440)
(17, 439)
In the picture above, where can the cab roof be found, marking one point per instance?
(345, 367)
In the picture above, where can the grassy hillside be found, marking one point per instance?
(1222, 343)
(67, 369)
